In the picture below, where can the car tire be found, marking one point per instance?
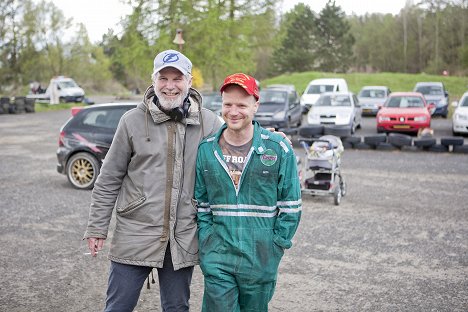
(462, 149)
(310, 131)
(82, 170)
(437, 148)
(353, 140)
(424, 142)
(411, 148)
(399, 139)
(347, 145)
(362, 146)
(337, 131)
(455, 141)
(374, 140)
(384, 146)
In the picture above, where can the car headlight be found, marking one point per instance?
(460, 117)
(313, 118)
(420, 118)
(443, 102)
(279, 115)
(384, 118)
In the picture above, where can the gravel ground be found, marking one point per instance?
(398, 241)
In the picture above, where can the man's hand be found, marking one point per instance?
(280, 133)
(95, 244)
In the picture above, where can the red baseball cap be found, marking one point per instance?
(248, 83)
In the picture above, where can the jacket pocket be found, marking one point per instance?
(130, 207)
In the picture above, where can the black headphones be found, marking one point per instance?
(177, 113)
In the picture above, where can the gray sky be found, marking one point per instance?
(99, 15)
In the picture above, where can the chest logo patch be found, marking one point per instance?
(269, 158)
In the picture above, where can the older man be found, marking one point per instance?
(148, 176)
(249, 204)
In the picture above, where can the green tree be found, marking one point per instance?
(297, 47)
(334, 40)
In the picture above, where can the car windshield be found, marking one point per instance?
(318, 89)
(405, 102)
(430, 90)
(372, 93)
(465, 102)
(273, 97)
(212, 101)
(333, 100)
(67, 84)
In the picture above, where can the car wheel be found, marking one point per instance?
(353, 140)
(82, 170)
(362, 146)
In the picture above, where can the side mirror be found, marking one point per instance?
(446, 93)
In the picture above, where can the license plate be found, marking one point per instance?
(366, 110)
(401, 126)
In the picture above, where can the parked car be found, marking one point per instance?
(68, 90)
(279, 107)
(460, 116)
(318, 86)
(337, 109)
(404, 112)
(213, 101)
(372, 98)
(85, 139)
(434, 92)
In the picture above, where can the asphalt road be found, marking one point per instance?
(397, 242)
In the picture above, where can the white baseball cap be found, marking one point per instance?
(172, 58)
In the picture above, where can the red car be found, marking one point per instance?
(404, 112)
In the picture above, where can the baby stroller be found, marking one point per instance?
(320, 173)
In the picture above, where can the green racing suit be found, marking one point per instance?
(243, 231)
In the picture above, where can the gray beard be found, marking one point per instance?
(172, 103)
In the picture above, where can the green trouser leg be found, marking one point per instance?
(221, 293)
(226, 292)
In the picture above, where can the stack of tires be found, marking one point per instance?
(17, 105)
(390, 142)
(4, 105)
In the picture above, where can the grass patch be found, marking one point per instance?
(46, 107)
(456, 86)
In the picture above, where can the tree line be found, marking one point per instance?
(225, 36)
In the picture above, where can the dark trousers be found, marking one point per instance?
(126, 281)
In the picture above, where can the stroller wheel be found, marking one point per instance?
(337, 195)
(343, 187)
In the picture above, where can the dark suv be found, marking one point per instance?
(279, 107)
(85, 139)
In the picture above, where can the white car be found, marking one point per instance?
(460, 116)
(317, 87)
(337, 109)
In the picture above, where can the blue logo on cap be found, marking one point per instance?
(171, 58)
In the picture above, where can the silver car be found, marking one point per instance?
(337, 109)
(372, 98)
